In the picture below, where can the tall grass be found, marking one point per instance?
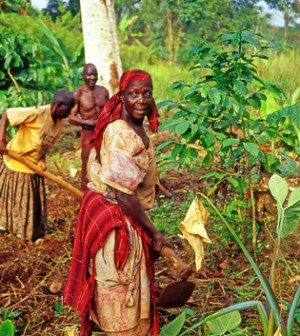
(282, 69)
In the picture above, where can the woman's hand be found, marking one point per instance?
(42, 165)
(183, 269)
(158, 241)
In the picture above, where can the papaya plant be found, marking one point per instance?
(220, 115)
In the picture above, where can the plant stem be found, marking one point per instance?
(13, 79)
(253, 209)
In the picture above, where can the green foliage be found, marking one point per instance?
(58, 309)
(173, 328)
(54, 8)
(219, 110)
(222, 324)
(219, 323)
(29, 72)
(220, 114)
(173, 27)
(5, 314)
(17, 6)
(21, 69)
(7, 328)
(33, 63)
(67, 31)
(167, 214)
(289, 216)
(287, 72)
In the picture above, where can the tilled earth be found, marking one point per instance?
(32, 275)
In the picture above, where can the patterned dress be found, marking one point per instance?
(120, 266)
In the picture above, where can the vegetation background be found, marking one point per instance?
(179, 43)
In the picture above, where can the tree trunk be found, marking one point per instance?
(286, 16)
(100, 41)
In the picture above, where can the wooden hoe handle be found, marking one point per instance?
(183, 269)
(46, 173)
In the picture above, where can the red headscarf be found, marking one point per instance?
(113, 107)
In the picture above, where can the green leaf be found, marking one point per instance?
(261, 56)
(240, 87)
(292, 214)
(295, 115)
(278, 188)
(182, 127)
(214, 95)
(222, 324)
(230, 142)
(221, 125)
(208, 159)
(170, 124)
(254, 102)
(173, 328)
(214, 175)
(178, 85)
(7, 328)
(163, 103)
(275, 89)
(165, 144)
(294, 197)
(269, 105)
(292, 313)
(288, 166)
(176, 151)
(251, 148)
(291, 220)
(270, 162)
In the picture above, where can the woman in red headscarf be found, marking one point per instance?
(115, 245)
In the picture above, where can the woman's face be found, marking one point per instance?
(137, 99)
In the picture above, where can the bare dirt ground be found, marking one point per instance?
(32, 275)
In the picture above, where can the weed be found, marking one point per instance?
(167, 214)
(58, 309)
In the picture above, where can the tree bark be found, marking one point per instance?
(100, 41)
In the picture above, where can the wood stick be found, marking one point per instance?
(183, 269)
(45, 173)
(164, 190)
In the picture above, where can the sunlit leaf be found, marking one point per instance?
(278, 188)
(225, 323)
(173, 328)
(292, 214)
(7, 328)
(252, 148)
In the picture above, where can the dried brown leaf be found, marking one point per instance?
(193, 230)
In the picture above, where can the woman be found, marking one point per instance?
(23, 210)
(111, 280)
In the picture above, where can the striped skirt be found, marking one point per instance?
(23, 210)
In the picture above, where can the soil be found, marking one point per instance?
(32, 275)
